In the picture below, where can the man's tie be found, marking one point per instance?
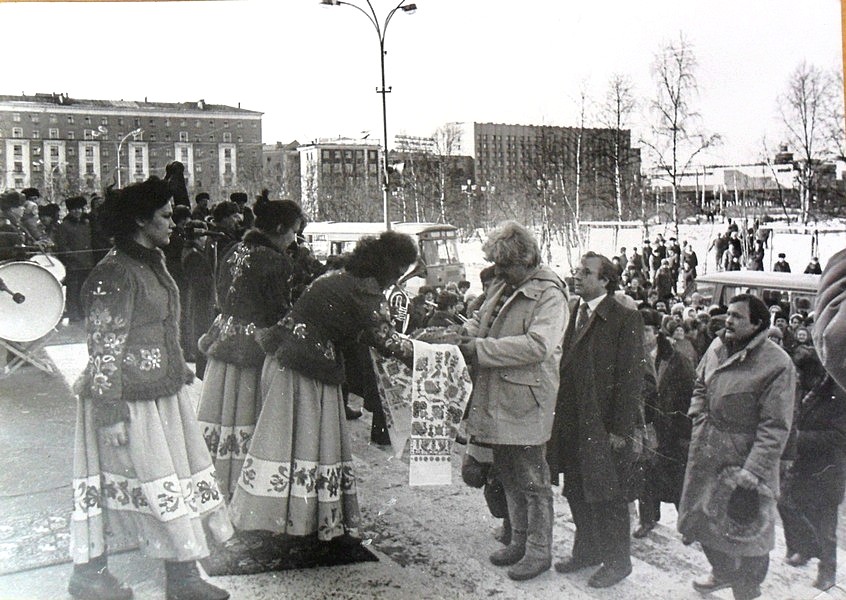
(582, 318)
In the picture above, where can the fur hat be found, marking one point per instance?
(239, 197)
(11, 199)
(738, 514)
(782, 255)
(651, 317)
(224, 209)
(49, 210)
(202, 196)
(30, 192)
(76, 202)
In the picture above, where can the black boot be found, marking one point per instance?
(183, 582)
(826, 576)
(92, 581)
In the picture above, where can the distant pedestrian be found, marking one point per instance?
(781, 265)
(814, 267)
(201, 210)
(73, 245)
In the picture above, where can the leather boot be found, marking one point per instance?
(503, 536)
(513, 552)
(92, 581)
(183, 582)
(538, 556)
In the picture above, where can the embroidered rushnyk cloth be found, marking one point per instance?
(424, 406)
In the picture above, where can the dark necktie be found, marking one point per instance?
(582, 318)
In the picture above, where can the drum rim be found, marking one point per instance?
(58, 285)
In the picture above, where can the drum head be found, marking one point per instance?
(39, 312)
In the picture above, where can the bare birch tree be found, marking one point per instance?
(676, 136)
(447, 142)
(804, 107)
(618, 107)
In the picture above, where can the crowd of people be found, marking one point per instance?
(617, 381)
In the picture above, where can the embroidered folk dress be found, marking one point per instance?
(298, 476)
(254, 293)
(159, 487)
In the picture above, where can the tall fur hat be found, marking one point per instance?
(76, 202)
(239, 197)
(11, 199)
(30, 193)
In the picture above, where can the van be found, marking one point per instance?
(790, 290)
(437, 244)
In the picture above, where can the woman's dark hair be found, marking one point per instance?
(181, 213)
(270, 214)
(382, 257)
(123, 208)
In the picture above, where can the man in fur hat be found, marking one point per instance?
(742, 409)
(73, 245)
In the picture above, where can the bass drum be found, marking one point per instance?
(42, 308)
(51, 263)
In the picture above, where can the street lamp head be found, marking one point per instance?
(330, 3)
(409, 8)
(136, 132)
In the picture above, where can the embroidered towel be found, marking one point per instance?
(424, 406)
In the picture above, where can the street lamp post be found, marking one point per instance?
(134, 133)
(380, 32)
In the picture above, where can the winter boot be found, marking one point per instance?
(538, 555)
(92, 581)
(826, 576)
(503, 534)
(513, 552)
(183, 582)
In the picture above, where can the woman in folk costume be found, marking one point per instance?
(253, 289)
(141, 466)
(298, 477)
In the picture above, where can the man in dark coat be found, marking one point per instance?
(816, 481)
(781, 265)
(668, 415)
(596, 412)
(73, 244)
(814, 267)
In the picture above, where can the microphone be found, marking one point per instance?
(17, 297)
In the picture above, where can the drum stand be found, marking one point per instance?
(24, 353)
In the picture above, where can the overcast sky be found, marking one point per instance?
(313, 70)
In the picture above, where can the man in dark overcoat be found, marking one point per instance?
(596, 412)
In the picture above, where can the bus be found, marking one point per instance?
(437, 244)
(793, 291)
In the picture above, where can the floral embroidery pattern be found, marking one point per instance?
(164, 499)
(425, 404)
(298, 479)
(106, 341)
(303, 332)
(225, 443)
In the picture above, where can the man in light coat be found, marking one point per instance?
(597, 409)
(514, 342)
(742, 409)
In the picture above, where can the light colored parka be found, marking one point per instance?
(518, 352)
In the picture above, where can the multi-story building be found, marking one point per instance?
(340, 179)
(64, 145)
(282, 170)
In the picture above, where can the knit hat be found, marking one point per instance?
(739, 514)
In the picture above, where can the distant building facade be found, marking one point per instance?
(67, 145)
(337, 174)
(281, 165)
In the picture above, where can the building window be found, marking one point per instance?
(70, 119)
(167, 122)
(199, 169)
(71, 135)
(239, 124)
(88, 134)
(54, 119)
(53, 133)
(227, 137)
(16, 117)
(152, 137)
(137, 122)
(35, 118)
(36, 135)
(211, 138)
(120, 120)
(226, 124)
(197, 124)
(168, 153)
(152, 122)
(183, 136)
(104, 121)
(240, 139)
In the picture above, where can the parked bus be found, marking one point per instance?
(436, 242)
(794, 291)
